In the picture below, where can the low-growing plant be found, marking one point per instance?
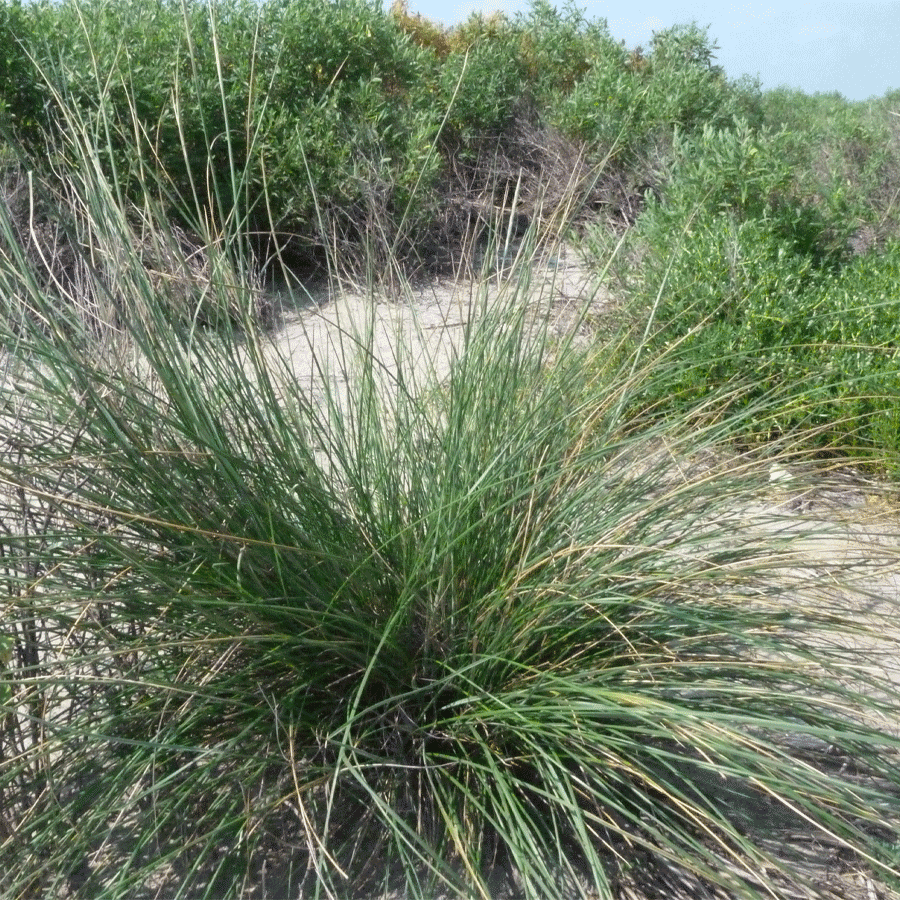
(731, 277)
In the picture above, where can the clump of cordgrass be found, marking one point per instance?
(457, 633)
(450, 638)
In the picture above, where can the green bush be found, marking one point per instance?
(161, 88)
(687, 88)
(844, 152)
(742, 313)
(479, 88)
(348, 55)
(741, 283)
(748, 176)
(634, 100)
(850, 355)
(607, 105)
(559, 47)
(325, 123)
(728, 210)
(251, 111)
(21, 90)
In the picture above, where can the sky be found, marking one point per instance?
(852, 46)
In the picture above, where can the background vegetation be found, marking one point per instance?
(324, 114)
(320, 133)
(521, 628)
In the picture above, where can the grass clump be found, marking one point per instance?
(456, 632)
(457, 636)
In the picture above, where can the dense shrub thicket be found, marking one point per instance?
(313, 117)
(754, 274)
(20, 92)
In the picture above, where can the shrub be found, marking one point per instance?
(606, 107)
(719, 182)
(474, 85)
(164, 88)
(422, 32)
(747, 176)
(306, 124)
(21, 94)
(559, 47)
(249, 111)
(844, 153)
(634, 100)
(744, 283)
(687, 89)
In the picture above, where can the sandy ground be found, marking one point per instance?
(424, 329)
